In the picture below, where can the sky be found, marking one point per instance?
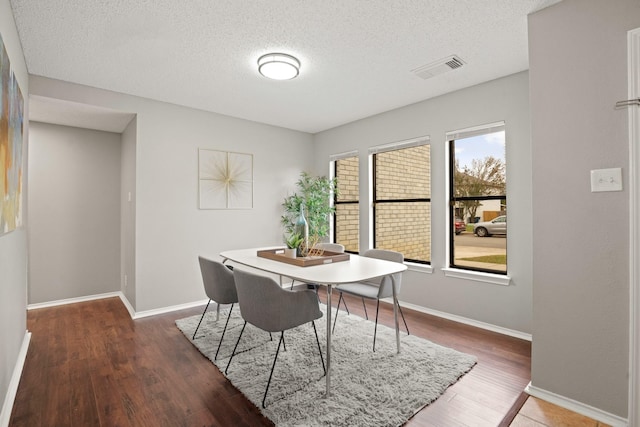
(479, 147)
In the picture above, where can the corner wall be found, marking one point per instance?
(13, 246)
(128, 213)
(170, 230)
(578, 71)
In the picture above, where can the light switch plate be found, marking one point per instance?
(606, 180)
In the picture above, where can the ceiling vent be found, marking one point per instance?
(438, 67)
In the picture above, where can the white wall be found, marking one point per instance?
(578, 68)
(74, 215)
(504, 99)
(13, 246)
(170, 229)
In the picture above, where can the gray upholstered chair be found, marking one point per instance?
(219, 285)
(377, 289)
(264, 304)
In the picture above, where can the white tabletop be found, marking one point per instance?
(356, 269)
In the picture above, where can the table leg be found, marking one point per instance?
(328, 340)
(395, 312)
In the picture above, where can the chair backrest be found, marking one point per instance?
(259, 298)
(264, 304)
(385, 290)
(332, 247)
(219, 284)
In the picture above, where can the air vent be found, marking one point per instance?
(438, 67)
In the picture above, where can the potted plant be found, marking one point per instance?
(293, 244)
(314, 193)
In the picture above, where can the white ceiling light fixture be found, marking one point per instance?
(278, 66)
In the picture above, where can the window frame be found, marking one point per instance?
(462, 271)
(373, 151)
(333, 159)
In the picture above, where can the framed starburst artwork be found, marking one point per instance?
(225, 179)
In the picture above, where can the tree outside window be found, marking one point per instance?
(478, 198)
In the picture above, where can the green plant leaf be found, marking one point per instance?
(315, 193)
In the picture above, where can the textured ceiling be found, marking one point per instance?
(357, 55)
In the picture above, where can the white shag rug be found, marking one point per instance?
(367, 389)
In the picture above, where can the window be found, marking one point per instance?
(346, 226)
(402, 199)
(478, 199)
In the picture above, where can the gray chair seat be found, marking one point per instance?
(364, 290)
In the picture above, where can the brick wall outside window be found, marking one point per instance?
(401, 226)
(347, 215)
(404, 226)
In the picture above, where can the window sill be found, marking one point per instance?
(496, 279)
(420, 268)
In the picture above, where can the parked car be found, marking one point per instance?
(488, 228)
(460, 225)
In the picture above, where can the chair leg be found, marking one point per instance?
(344, 301)
(315, 331)
(292, 281)
(223, 332)
(233, 353)
(272, 367)
(203, 313)
(375, 330)
(366, 316)
(337, 311)
(401, 314)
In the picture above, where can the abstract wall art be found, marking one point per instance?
(11, 120)
(225, 179)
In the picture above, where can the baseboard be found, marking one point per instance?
(163, 310)
(169, 309)
(7, 407)
(73, 300)
(127, 304)
(467, 321)
(577, 407)
(125, 301)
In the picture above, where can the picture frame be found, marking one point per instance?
(225, 179)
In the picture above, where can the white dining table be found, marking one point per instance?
(356, 269)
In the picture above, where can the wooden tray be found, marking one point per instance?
(327, 257)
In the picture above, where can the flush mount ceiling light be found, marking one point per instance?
(278, 66)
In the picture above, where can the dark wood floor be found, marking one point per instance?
(90, 364)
